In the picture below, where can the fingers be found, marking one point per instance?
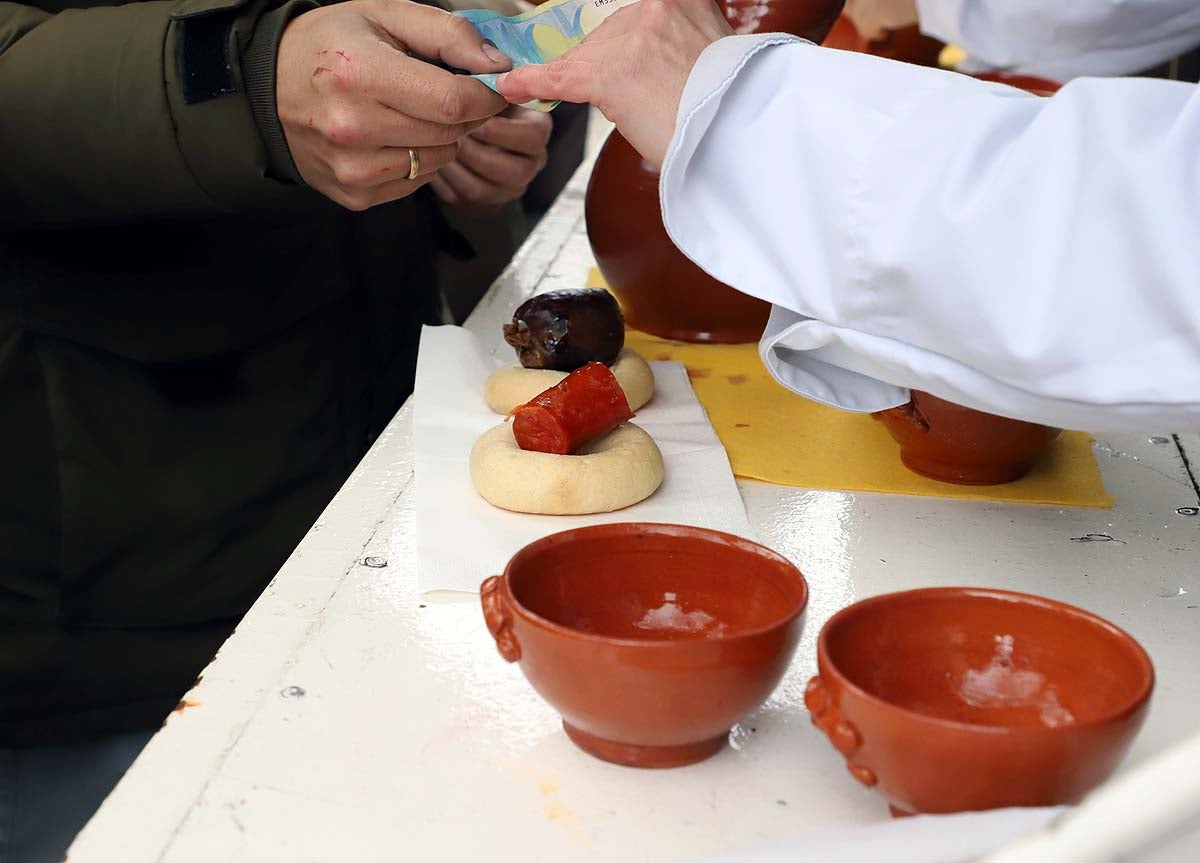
(459, 186)
(423, 91)
(371, 168)
(433, 33)
(378, 125)
(500, 167)
(567, 78)
(521, 131)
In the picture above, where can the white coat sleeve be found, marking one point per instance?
(1037, 258)
(1064, 39)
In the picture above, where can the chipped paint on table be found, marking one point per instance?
(350, 719)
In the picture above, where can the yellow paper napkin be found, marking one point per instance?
(775, 435)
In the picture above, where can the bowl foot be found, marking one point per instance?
(629, 755)
(899, 813)
(965, 474)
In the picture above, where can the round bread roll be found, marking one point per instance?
(510, 386)
(622, 468)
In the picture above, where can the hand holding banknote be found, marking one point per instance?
(542, 33)
(367, 122)
(633, 68)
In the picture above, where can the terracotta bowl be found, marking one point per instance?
(651, 640)
(957, 699)
(951, 443)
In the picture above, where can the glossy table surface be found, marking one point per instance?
(350, 719)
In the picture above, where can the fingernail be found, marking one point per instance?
(500, 79)
(494, 54)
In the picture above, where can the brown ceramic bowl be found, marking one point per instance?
(951, 443)
(651, 640)
(957, 699)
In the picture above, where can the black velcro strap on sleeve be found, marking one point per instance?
(205, 65)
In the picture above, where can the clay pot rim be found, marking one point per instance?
(625, 528)
(828, 668)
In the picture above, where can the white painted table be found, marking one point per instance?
(348, 719)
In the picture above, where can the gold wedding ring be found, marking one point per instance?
(414, 164)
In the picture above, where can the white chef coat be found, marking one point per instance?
(1036, 258)
(1064, 39)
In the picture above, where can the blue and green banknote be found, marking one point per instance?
(542, 33)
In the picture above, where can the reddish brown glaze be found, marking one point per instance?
(909, 693)
(650, 640)
(1028, 83)
(908, 44)
(660, 290)
(951, 443)
(584, 406)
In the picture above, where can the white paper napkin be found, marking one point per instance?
(462, 539)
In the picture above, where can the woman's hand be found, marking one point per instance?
(633, 67)
(353, 103)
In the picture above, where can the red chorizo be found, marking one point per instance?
(585, 406)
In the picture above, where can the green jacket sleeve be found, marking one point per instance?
(119, 114)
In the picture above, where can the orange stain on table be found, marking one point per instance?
(738, 379)
(698, 374)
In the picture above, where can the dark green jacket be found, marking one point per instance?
(194, 352)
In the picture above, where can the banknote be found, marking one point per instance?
(542, 33)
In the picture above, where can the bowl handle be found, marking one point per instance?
(498, 622)
(840, 731)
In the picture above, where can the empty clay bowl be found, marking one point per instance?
(951, 443)
(957, 699)
(651, 640)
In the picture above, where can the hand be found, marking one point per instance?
(633, 67)
(874, 19)
(497, 161)
(352, 102)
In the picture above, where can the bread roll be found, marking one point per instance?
(619, 470)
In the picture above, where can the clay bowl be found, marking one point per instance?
(948, 442)
(651, 640)
(957, 699)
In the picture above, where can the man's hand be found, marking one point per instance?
(497, 161)
(874, 19)
(633, 67)
(352, 102)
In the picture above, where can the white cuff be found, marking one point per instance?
(804, 355)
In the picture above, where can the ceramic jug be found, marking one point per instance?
(660, 290)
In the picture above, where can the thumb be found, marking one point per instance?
(437, 34)
(565, 78)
